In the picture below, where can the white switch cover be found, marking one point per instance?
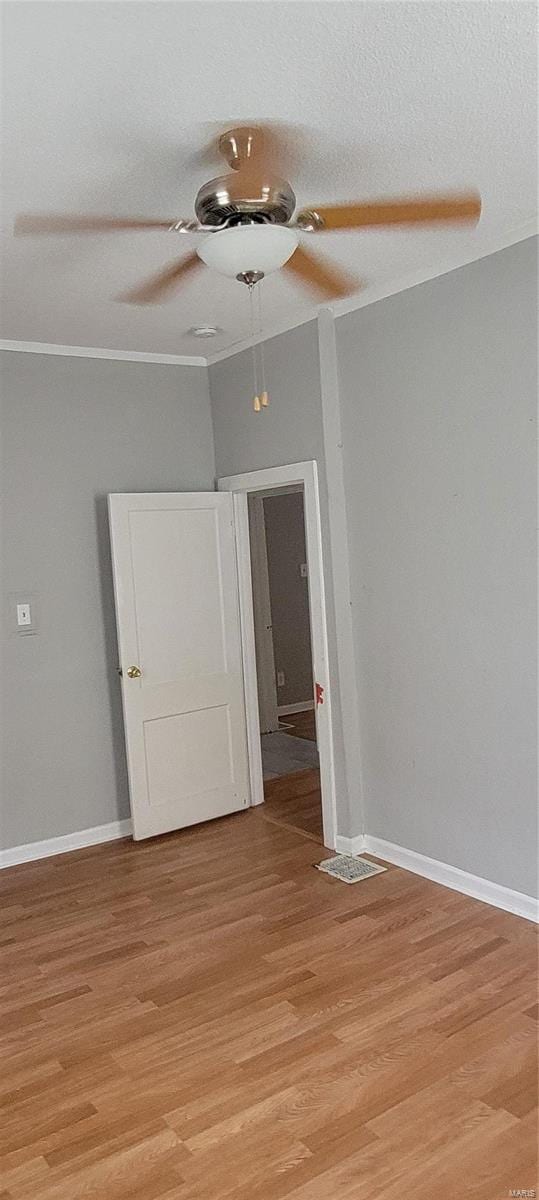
(24, 614)
(303, 570)
(280, 679)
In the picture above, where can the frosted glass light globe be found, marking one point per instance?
(262, 248)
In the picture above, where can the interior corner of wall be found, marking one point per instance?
(340, 571)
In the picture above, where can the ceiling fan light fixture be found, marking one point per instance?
(243, 248)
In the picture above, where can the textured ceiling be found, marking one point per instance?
(106, 106)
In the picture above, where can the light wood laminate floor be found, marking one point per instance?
(295, 801)
(205, 1016)
(301, 724)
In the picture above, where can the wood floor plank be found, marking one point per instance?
(294, 802)
(301, 724)
(206, 1017)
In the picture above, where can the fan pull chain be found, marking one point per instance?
(256, 396)
(264, 398)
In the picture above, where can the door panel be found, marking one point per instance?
(178, 621)
(172, 747)
(189, 604)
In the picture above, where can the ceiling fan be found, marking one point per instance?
(250, 225)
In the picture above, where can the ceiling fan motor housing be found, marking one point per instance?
(269, 201)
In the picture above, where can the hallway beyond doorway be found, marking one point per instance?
(292, 797)
(284, 754)
(300, 724)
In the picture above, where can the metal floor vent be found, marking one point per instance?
(348, 869)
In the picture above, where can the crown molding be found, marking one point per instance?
(175, 360)
(502, 242)
(275, 331)
(373, 294)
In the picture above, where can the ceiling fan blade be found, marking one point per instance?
(327, 281)
(35, 223)
(426, 210)
(158, 289)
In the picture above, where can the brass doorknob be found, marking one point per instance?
(134, 672)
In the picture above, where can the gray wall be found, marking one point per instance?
(289, 431)
(438, 405)
(74, 429)
(289, 596)
(438, 394)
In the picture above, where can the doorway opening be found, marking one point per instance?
(284, 664)
(303, 797)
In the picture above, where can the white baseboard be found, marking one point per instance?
(400, 856)
(346, 845)
(62, 845)
(451, 877)
(285, 710)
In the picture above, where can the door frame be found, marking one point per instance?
(267, 687)
(305, 474)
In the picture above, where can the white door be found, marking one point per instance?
(177, 613)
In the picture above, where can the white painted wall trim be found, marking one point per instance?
(350, 845)
(497, 242)
(247, 626)
(286, 710)
(429, 868)
(305, 473)
(62, 845)
(372, 294)
(340, 563)
(176, 360)
(452, 877)
(265, 660)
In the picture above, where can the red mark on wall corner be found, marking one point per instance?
(319, 694)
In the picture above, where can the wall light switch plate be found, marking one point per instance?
(280, 679)
(24, 615)
(23, 612)
(303, 570)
